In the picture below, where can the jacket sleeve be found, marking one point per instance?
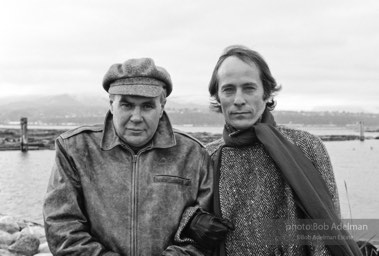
(66, 224)
(183, 245)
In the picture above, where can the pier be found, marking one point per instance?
(361, 131)
(24, 134)
(28, 138)
(37, 139)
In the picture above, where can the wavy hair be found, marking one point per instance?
(248, 56)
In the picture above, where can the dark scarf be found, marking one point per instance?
(311, 193)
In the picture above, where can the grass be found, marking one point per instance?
(365, 246)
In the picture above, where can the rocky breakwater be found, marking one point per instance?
(22, 238)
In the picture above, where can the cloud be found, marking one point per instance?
(313, 48)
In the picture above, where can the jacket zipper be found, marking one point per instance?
(134, 200)
(134, 206)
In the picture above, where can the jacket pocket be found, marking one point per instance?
(172, 179)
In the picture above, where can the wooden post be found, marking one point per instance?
(24, 134)
(361, 130)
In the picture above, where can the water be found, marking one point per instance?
(321, 130)
(24, 177)
(357, 164)
(23, 182)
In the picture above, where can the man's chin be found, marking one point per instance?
(134, 142)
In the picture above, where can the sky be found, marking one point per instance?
(324, 53)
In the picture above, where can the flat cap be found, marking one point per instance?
(137, 77)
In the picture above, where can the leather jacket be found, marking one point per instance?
(103, 199)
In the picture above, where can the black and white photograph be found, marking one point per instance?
(220, 128)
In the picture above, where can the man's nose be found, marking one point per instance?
(239, 98)
(136, 115)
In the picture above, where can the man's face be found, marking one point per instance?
(136, 118)
(240, 92)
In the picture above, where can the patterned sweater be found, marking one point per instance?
(252, 191)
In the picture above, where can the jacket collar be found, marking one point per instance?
(163, 137)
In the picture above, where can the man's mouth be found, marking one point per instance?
(240, 112)
(134, 130)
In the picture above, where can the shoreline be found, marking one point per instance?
(44, 139)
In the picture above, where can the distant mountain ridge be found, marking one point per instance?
(39, 109)
(77, 109)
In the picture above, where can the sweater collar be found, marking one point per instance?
(240, 138)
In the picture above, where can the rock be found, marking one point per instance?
(9, 224)
(7, 253)
(43, 254)
(44, 248)
(26, 244)
(6, 239)
(25, 223)
(38, 231)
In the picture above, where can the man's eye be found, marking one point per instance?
(148, 106)
(249, 89)
(126, 105)
(228, 89)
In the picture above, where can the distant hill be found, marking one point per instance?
(326, 118)
(74, 109)
(78, 109)
(53, 109)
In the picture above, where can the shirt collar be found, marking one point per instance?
(163, 138)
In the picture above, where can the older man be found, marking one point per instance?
(267, 176)
(120, 188)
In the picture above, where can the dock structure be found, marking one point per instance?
(361, 131)
(24, 134)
